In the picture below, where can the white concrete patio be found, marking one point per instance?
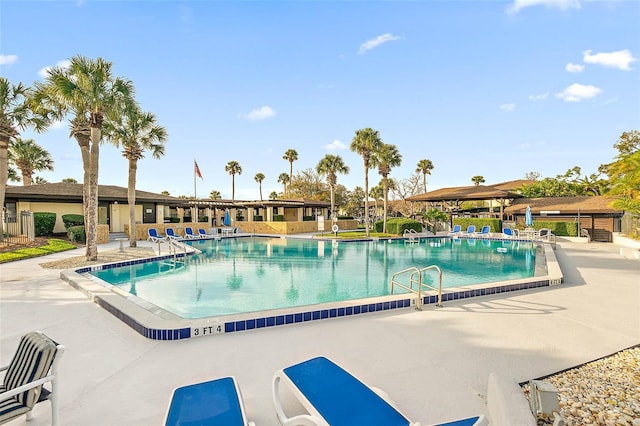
(435, 363)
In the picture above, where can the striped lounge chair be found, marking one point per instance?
(34, 363)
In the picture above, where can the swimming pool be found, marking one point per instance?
(243, 275)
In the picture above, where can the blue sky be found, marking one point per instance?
(491, 88)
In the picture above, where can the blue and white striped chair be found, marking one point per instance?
(34, 364)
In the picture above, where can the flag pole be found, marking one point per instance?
(195, 194)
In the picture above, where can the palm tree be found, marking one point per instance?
(424, 166)
(39, 180)
(215, 195)
(71, 180)
(284, 179)
(233, 168)
(377, 193)
(89, 92)
(259, 177)
(29, 157)
(386, 158)
(477, 180)
(165, 192)
(329, 166)
(15, 115)
(290, 155)
(136, 132)
(365, 143)
(273, 195)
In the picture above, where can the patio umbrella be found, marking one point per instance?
(227, 219)
(528, 218)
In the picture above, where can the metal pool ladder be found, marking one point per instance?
(415, 277)
(412, 235)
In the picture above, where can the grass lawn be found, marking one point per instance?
(52, 246)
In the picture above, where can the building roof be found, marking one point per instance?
(465, 193)
(513, 185)
(73, 192)
(564, 205)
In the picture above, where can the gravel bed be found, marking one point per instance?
(602, 392)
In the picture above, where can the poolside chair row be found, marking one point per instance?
(154, 237)
(471, 231)
(330, 394)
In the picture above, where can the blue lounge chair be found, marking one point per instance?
(216, 402)
(471, 229)
(188, 233)
(485, 231)
(333, 396)
(171, 234)
(508, 233)
(153, 235)
(456, 230)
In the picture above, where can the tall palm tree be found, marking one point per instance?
(233, 168)
(477, 180)
(259, 177)
(15, 115)
(329, 166)
(290, 155)
(424, 166)
(284, 179)
(215, 195)
(29, 157)
(386, 158)
(88, 91)
(365, 143)
(136, 132)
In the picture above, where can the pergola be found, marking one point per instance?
(453, 197)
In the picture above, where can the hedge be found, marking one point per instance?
(257, 218)
(278, 218)
(561, 229)
(77, 234)
(44, 223)
(397, 225)
(70, 220)
(479, 222)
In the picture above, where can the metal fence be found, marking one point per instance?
(17, 229)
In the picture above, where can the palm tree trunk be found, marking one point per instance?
(92, 207)
(333, 208)
(384, 204)
(26, 179)
(4, 177)
(131, 200)
(290, 177)
(260, 191)
(366, 196)
(233, 187)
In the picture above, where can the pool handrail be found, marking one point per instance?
(415, 270)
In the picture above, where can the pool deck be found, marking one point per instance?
(434, 363)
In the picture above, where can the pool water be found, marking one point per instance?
(255, 274)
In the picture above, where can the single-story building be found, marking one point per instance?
(593, 213)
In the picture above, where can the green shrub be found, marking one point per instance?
(397, 225)
(561, 229)
(174, 219)
(257, 218)
(479, 222)
(77, 234)
(44, 223)
(70, 220)
(307, 218)
(203, 219)
(278, 218)
(345, 217)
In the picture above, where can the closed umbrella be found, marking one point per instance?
(528, 218)
(227, 219)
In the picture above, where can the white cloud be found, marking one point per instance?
(373, 43)
(335, 146)
(620, 59)
(518, 5)
(8, 59)
(577, 92)
(65, 63)
(507, 107)
(574, 67)
(539, 97)
(261, 113)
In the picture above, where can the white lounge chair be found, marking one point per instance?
(188, 233)
(153, 235)
(34, 364)
(215, 402)
(456, 230)
(171, 234)
(333, 396)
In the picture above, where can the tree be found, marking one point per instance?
(290, 155)
(624, 172)
(308, 184)
(135, 132)
(165, 193)
(284, 179)
(477, 180)
(386, 157)
(259, 177)
(215, 195)
(29, 157)
(330, 166)
(39, 180)
(424, 166)
(404, 189)
(273, 195)
(365, 143)
(71, 180)
(377, 193)
(353, 201)
(15, 115)
(89, 92)
(233, 168)
(532, 176)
